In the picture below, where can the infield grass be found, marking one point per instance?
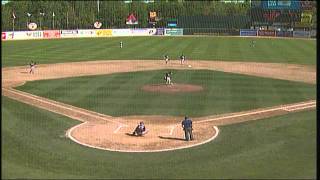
(296, 51)
(33, 146)
(120, 94)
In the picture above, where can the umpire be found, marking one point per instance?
(187, 127)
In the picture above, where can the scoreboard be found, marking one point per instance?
(280, 4)
(286, 12)
(270, 15)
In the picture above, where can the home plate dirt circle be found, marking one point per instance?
(174, 88)
(161, 136)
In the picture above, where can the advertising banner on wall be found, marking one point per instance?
(173, 32)
(280, 4)
(121, 32)
(20, 35)
(34, 34)
(284, 33)
(50, 34)
(248, 32)
(69, 33)
(301, 34)
(152, 31)
(139, 32)
(160, 31)
(9, 35)
(86, 33)
(104, 32)
(266, 33)
(3, 35)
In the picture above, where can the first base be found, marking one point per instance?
(189, 66)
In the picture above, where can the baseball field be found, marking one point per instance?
(253, 108)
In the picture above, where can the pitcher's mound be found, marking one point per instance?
(174, 88)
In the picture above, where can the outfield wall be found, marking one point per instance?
(275, 33)
(55, 34)
(90, 33)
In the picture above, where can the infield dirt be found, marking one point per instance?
(111, 133)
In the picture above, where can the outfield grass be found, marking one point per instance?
(279, 147)
(297, 51)
(120, 94)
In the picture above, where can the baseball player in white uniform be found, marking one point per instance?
(32, 67)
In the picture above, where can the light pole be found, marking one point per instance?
(13, 18)
(53, 20)
(41, 14)
(28, 14)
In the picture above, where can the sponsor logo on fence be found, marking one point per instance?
(266, 33)
(34, 34)
(69, 33)
(248, 32)
(152, 31)
(104, 32)
(142, 32)
(160, 31)
(51, 34)
(86, 33)
(284, 33)
(121, 32)
(302, 34)
(97, 24)
(10, 35)
(32, 26)
(173, 32)
(4, 35)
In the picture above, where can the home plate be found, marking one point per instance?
(189, 66)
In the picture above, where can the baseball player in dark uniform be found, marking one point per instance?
(187, 127)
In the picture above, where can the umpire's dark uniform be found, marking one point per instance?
(187, 127)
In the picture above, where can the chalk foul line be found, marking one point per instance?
(289, 108)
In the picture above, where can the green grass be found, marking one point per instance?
(297, 51)
(120, 94)
(279, 147)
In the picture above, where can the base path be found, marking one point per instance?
(114, 133)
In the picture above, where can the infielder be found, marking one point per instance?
(166, 58)
(167, 78)
(121, 44)
(32, 67)
(182, 59)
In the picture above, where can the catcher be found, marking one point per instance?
(140, 130)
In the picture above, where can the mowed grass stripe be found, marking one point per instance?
(296, 51)
(120, 94)
(279, 147)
